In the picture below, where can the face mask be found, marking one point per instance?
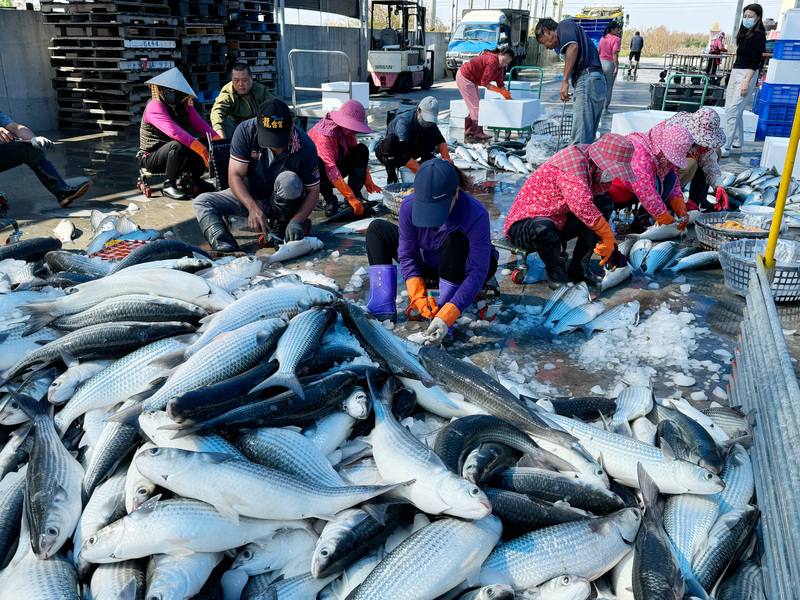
(749, 22)
(170, 96)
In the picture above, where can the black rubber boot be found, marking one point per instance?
(391, 175)
(217, 234)
(171, 190)
(331, 205)
(55, 184)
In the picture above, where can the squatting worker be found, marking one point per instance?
(487, 70)
(583, 69)
(172, 136)
(238, 101)
(658, 154)
(412, 138)
(19, 145)
(342, 155)
(751, 43)
(443, 234)
(273, 176)
(560, 201)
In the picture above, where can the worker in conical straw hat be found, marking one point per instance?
(172, 135)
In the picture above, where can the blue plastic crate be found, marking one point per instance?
(779, 93)
(786, 50)
(774, 120)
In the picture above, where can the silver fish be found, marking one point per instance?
(586, 548)
(564, 587)
(15, 450)
(138, 488)
(170, 576)
(644, 431)
(578, 316)
(614, 278)
(295, 249)
(657, 233)
(298, 587)
(639, 253)
(688, 519)
(632, 402)
(106, 504)
(331, 431)
(728, 179)
(12, 499)
(64, 386)
(517, 163)
(747, 583)
(432, 561)
(626, 245)
(116, 441)
(234, 274)
(575, 296)
(680, 254)
(622, 315)
(739, 481)
(352, 576)
(557, 294)
(275, 553)
(154, 426)
(699, 260)
(659, 256)
(118, 581)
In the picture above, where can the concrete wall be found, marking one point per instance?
(311, 70)
(26, 93)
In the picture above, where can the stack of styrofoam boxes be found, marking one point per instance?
(639, 121)
(509, 114)
(777, 98)
(520, 90)
(335, 93)
(458, 113)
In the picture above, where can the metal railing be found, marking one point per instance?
(706, 81)
(763, 380)
(295, 87)
(519, 69)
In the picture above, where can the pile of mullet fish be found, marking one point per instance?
(189, 428)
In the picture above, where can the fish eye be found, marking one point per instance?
(565, 580)
(709, 476)
(154, 451)
(92, 540)
(142, 491)
(247, 554)
(474, 491)
(324, 552)
(52, 531)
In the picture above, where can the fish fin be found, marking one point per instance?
(182, 551)
(284, 380)
(227, 511)
(169, 360)
(666, 449)
(149, 390)
(126, 415)
(145, 507)
(184, 431)
(130, 591)
(606, 422)
(492, 371)
(30, 406)
(41, 314)
(68, 359)
(649, 490)
(376, 511)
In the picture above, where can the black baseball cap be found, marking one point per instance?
(274, 124)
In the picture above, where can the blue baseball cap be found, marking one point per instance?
(434, 186)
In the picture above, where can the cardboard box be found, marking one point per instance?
(509, 114)
(783, 71)
(334, 94)
(774, 154)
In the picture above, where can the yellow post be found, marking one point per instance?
(783, 190)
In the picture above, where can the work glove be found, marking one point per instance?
(445, 152)
(413, 165)
(371, 186)
(616, 260)
(721, 195)
(498, 90)
(294, 231)
(607, 244)
(679, 207)
(198, 147)
(445, 318)
(665, 219)
(41, 142)
(419, 304)
(355, 203)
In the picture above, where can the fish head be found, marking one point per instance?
(566, 587)
(162, 463)
(254, 557)
(357, 404)
(462, 498)
(55, 528)
(627, 522)
(317, 296)
(697, 479)
(498, 591)
(102, 547)
(62, 388)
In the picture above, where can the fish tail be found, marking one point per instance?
(128, 415)
(41, 314)
(284, 380)
(648, 488)
(31, 406)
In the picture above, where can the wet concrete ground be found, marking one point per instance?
(548, 365)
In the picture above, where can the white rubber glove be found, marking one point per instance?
(436, 332)
(42, 142)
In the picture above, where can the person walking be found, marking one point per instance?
(751, 43)
(487, 70)
(608, 48)
(637, 44)
(582, 67)
(715, 48)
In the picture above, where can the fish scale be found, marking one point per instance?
(620, 316)
(113, 581)
(659, 256)
(553, 299)
(614, 278)
(299, 587)
(12, 495)
(726, 540)
(152, 425)
(638, 253)
(34, 578)
(223, 358)
(576, 295)
(737, 473)
(132, 308)
(105, 505)
(114, 444)
(632, 402)
(277, 552)
(171, 576)
(688, 518)
(746, 583)
(578, 316)
(116, 383)
(697, 260)
(432, 560)
(73, 262)
(586, 548)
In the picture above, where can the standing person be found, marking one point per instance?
(582, 67)
(19, 145)
(637, 44)
(273, 176)
(412, 138)
(608, 49)
(238, 101)
(172, 135)
(716, 47)
(751, 43)
(341, 155)
(563, 199)
(443, 233)
(487, 70)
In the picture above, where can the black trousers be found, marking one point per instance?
(173, 159)
(393, 154)
(352, 166)
(540, 234)
(18, 153)
(383, 239)
(698, 189)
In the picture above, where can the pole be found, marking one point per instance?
(282, 25)
(783, 189)
(737, 18)
(433, 15)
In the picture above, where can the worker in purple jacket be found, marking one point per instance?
(443, 234)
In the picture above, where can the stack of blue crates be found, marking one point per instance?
(775, 103)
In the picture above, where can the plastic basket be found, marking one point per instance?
(774, 119)
(559, 128)
(779, 93)
(738, 262)
(710, 235)
(786, 50)
(394, 194)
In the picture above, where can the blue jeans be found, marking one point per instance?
(590, 100)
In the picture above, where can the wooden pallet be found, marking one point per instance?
(153, 7)
(110, 19)
(202, 30)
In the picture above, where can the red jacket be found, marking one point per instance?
(483, 69)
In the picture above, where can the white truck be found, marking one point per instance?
(480, 30)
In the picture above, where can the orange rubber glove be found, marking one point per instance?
(448, 313)
(679, 207)
(445, 152)
(419, 304)
(197, 146)
(665, 219)
(413, 165)
(605, 247)
(344, 190)
(371, 186)
(498, 90)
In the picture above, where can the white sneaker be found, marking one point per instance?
(724, 152)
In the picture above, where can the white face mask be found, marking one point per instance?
(749, 22)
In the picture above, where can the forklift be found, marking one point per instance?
(397, 59)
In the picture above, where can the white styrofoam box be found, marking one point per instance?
(458, 108)
(334, 94)
(639, 121)
(774, 154)
(783, 71)
(520, 90)
(457, 122)
(511, 114)
(790, 25)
